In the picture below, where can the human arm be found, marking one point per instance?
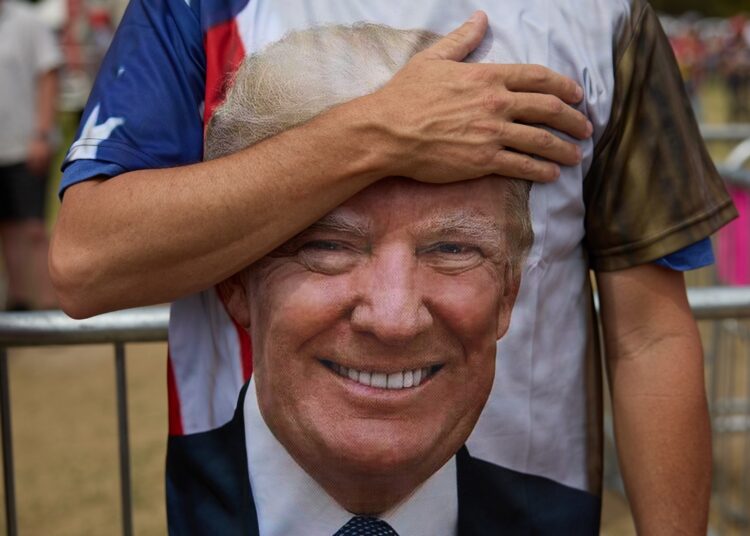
(40, 145)
(46, 59)
(162, 233)
(653, 191)
(655, 368)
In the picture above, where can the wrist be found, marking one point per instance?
(368, 135)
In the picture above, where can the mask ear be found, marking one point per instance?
(233, 294)
(511, 284)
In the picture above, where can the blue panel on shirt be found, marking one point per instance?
(691, 257)
(81, 170)
(218, 12)
(145, 108)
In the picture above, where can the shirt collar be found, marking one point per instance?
(289, 501)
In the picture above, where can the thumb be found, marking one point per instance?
(462, 41)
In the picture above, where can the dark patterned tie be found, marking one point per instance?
(366, 526)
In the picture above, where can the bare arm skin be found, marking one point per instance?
(40, 146)
(154, 235)
(662, 427)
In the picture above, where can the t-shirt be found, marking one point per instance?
(27, 50)
(646, 188)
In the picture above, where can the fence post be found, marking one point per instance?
(8, 476)
(122, 424)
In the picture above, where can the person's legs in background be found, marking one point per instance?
(24, 239)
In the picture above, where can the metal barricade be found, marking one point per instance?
(727, 345)
(729, 400)
(150, 324)
(728, 350)
(732, 132)
(52, 328)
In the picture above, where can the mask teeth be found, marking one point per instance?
(397, 380)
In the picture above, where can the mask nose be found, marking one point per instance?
(392, 304)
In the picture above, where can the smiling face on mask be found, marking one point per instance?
(374, 330)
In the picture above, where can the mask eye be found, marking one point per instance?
(451, 248)
(322, 245)
(452, 256)
(329, 257)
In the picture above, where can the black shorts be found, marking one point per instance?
(22, 194)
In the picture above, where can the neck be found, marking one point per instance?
(367, 496)
(360, 490)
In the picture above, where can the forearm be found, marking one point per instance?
(663, 440)
(46, 103)
(662, 427)
(154, 235)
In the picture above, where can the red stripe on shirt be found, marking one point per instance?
(173, 400)
(243, 338)
(224, 53)
(246, 351)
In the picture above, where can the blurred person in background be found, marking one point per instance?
(736, 68)
(690, 52)
(29, 59)
(84, 38)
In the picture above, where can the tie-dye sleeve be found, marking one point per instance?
(652, 188)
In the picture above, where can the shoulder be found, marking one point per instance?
(639, 21)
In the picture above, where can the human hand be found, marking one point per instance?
(446, 120)
(39, 155)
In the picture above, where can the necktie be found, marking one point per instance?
(366, 526)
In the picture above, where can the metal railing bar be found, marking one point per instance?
(146, 324)
(11, 520)
(707, 303)
(733, 405)
(725, 132)
(718, 303)
(41, 328)
(731, 424)
(735, 177)
(123, 439)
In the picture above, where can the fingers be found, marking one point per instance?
(520, 166)
(553, 112)
(539, 142)
(540, 79)
(460, 42)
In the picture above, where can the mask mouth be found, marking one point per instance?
(405, 379)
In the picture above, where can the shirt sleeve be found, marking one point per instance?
(145, 108)
(652, 188)
(691, 257)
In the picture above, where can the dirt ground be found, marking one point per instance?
(65, 439)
